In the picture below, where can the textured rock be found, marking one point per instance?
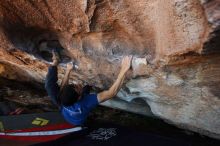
(175, 44)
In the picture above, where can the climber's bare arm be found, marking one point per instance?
(113, 90)
(65, 80)
(55, 59)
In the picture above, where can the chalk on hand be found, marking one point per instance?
(75, 66)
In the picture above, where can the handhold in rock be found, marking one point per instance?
(140, 67)
(46, 47)
(138, 61)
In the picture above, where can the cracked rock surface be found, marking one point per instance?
(175, 44)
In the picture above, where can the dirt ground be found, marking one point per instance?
(148, 124)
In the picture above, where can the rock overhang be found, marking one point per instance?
(174, 43)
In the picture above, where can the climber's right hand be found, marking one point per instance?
(69, 66)
(126, 63)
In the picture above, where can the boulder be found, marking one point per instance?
(175, 44)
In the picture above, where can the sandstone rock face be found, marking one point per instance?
(175, 44)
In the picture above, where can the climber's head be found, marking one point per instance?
(68, 95)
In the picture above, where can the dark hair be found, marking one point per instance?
(68, 96)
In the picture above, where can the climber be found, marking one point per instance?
(74, 103)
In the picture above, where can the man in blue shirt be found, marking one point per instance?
(75, 106)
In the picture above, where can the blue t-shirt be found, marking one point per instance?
(77, 113)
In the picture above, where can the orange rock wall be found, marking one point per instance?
(175, 44)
